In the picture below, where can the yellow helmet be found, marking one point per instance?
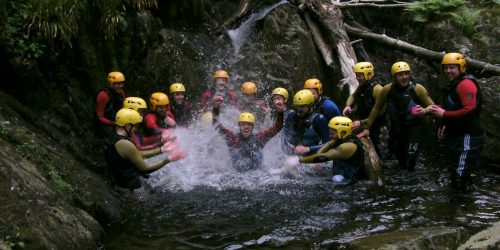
(207, 118)
(125, 116)
(248, 88)
(177, 87)
(303, 97)
(366, 68)
(247, 117)
(158, 98)
(220, 74)
(282, 92)
(454, 58)
(134, 103)
(341, 123)
(115, 76)
(314, 83)
(399, 67)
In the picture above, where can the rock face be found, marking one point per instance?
(416, 239)
(49, 199)
(484, 240)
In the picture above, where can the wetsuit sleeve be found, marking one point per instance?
(286, 141)
(234, 99)
(377, 108)
(343, 152)
(127, 150)
(101, 102)
(423, 96)
(204, 101)
(467, 94)
(264, 136)
(231, 137)
(331, 109)
(350, 101)
(321, 127)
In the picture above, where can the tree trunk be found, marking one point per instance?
(331, 23)
(418, 51)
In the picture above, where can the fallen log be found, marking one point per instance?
(484, 67)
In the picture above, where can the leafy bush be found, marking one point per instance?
(428, 10)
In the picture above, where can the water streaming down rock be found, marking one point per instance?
(240, 35)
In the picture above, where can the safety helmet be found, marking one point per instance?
(158, 98)
(341, 123)
(177, 87)
(115, 76)
(303, 97)
(125, 116)
(282, 92)
(454, 58)
(366, 68)
(248, 88)
(221, 74)
(313, 83)
(399, 67)
(134, 103)
(247, 117)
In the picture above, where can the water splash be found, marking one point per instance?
(240, 35)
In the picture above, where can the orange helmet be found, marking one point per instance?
(220, 74)
(314, 83)
(115, 76)
(454, 58)
(248, 88)
(158, 98)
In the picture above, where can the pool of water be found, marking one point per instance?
(200, 202)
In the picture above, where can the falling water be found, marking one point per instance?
(240, 35)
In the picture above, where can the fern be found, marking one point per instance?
(427, 10)
(467, 20)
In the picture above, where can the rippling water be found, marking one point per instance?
(200, 202)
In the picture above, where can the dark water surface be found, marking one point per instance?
(203, 204)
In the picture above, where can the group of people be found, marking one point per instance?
(313, 130)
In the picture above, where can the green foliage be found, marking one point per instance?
(428, 10)
(13, 241)
(467, 20)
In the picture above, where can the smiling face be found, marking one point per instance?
(246, 128)
(118, 86)
(451, 71)
(178, 97)
(221, 83)
(403, 78)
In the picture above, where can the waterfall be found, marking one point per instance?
(241, 34)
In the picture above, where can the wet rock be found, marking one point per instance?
(486, 239)
(420, 238)
(489, 116)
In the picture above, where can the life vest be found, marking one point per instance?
(319, 107)
(112, 107)
(364, 99)
(305, 133)
(356, 160)
(248, 155)
(124, 171)
(470, 124)
(400, 102)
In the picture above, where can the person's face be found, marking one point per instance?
(178, 97)
(302, 110)
(118, 86)
(278, 100)
(315, 93)
(221, 83)
(403, 78)
(246, 128)
(161, 110)
(333, 134)
(451, 71)
(249, 97)
(361, 78)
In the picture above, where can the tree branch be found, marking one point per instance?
(418, 51)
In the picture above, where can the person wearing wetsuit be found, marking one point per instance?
(361, 102)
(250, 103)
(108, 101)
(160, 118)
(180, 107)
(279, 97)
(344, 149)
(322, 104)
(246, 147)
(126, 162)
(304, 131)
(461, 129)
(140, 140)
(404, 106)
(220, 88)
